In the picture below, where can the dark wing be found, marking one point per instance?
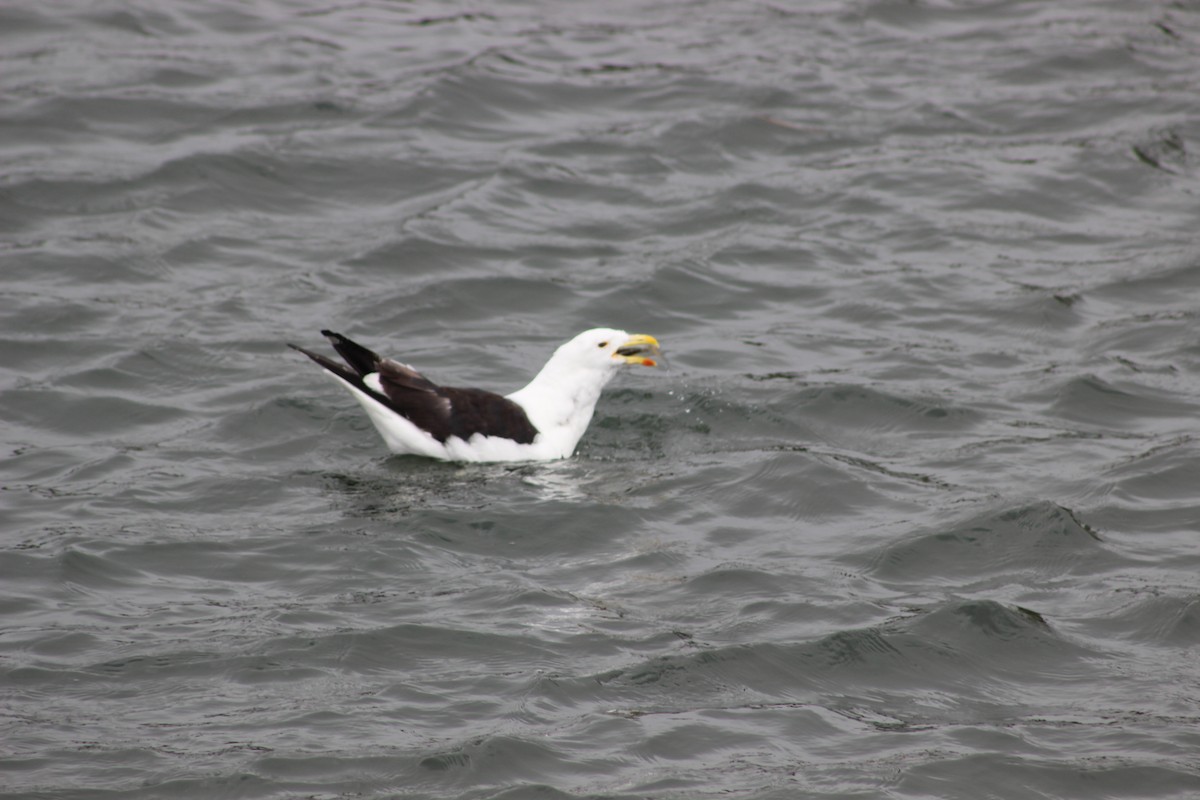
(358, 357)
(413, 396)
(478, 411)
(441, 410)
(362, 360)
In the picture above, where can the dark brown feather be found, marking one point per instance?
(443, 411)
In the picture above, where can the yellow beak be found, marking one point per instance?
(637, 349)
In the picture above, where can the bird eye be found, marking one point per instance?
(602, 344)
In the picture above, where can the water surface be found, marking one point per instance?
(914, 513)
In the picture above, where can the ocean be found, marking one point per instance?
(914, 512)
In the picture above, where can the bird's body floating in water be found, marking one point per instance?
(542, 422)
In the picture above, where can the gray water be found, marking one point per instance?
(915, 512)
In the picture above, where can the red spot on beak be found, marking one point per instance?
(646, 362)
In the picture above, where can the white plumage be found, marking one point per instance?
(541, 422)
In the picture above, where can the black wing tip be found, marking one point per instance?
(300, 349)
(333, 337)
(317, 357)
